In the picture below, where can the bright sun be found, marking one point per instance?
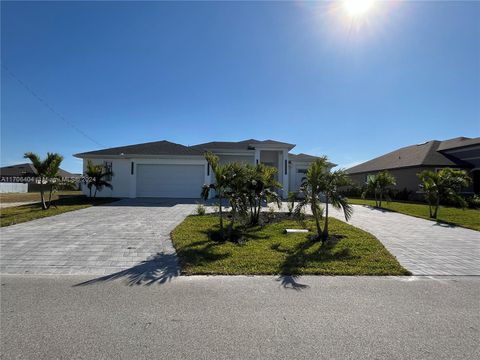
(357, 8)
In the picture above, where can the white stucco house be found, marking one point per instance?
(166, 169)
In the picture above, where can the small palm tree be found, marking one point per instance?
(96, 176)
(262, 188)
(378, 184)
(220, 186)
(47, 171)
(332, 182)
(311, 188)
(320, 180)
(444, 184)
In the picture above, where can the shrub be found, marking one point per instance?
(401, 195)
(473, 202)
(200, 210)
(353, 191)
(292, 196)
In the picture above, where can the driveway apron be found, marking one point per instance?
(97, 240)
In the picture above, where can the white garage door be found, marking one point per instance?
(176, 181)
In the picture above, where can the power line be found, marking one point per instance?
(49, 107)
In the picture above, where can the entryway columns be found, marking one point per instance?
(257, 157)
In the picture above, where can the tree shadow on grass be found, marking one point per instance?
(240, 235)
(299, 258)
(159, 269)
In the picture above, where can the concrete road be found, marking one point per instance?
(47, 317)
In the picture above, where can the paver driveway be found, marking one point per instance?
(97, 240)
(424, 247)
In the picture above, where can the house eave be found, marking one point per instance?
(136, 156)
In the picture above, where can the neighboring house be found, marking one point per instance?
(14, 173)
(407, 162)
(166, 169)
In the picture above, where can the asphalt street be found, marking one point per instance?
(69, 317)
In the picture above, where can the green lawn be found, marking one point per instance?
(269, 251)
(19, 214)
(35, 196)
(468, 218)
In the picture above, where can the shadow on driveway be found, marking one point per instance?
(160, 269)
(290, 282)
(155, 202)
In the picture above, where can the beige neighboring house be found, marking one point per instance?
(407, 162)
(170, 170)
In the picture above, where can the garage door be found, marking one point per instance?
(176, 181)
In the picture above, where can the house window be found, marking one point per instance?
(208, 169)
(302, 171)
(286, 165)
(108, 168)
(132, 167)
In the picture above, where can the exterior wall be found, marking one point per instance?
(13, 187)
(267, 156)
(245, 159)
(120, 179)
(124, 182)
(294, 176)
(406, 178)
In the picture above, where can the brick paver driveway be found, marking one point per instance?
(131, 233)
(424, 247)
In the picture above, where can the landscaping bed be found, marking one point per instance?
(468, 218)
(268, 250)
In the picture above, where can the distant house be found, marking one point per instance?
(166, 169)
(14, 174)
(407, 162)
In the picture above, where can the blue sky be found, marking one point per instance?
(303, 72)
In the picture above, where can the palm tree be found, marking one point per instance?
(378, 185)
(97, 175)
(371, 188)
(220, 186)
(332, 182)
(444, 184)
(262, 188)
(47, 171)
(320, 180)
(311, 188)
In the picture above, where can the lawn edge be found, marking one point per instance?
(53, 215)
(419, 217)
(220, 273)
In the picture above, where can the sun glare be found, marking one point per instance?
(357, 8)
